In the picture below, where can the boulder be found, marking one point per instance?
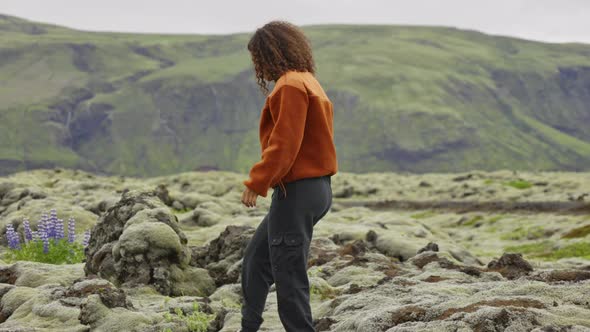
(138, 241)
(510, 265)
(222, 256)
(34, 274)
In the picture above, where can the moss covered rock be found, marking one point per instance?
(138, 241)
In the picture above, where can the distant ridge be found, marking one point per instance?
(407, 98)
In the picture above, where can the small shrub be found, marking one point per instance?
(48, 244)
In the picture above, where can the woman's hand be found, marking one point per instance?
(249, 197)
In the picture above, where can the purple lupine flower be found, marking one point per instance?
(45, 240)
(12, 237)
(44, 217)
(35, 235)
(42, 225)
(59, 229)
(52, 223)
(86, 238)
(71, 230)
(28, 234)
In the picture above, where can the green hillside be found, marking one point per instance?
(406, 98)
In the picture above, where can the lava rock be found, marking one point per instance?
(511, 265)
(138, 241)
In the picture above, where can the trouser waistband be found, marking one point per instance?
(328, 177)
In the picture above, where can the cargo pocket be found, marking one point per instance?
(286, 255)
(276, 240)
(285, 248)
(296, 260)
(293, 253)
(275, 252)
(293, 239)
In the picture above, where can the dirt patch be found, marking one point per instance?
(470, 206)
(356, 248)
(435, 279)
(562, 275)
(521, 303)
(410, 313)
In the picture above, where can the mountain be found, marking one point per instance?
(406, 98)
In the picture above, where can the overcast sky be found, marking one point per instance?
(544, 20)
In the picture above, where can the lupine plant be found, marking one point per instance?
(48, 243)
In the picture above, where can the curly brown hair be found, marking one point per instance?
(277, 47)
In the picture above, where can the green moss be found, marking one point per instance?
(488, 181)
(533, 249)
(483, 253)
(577, 232)
(322, 292)
(422, 215)
(230, 303)
(546, 250)
(494, 219)
(185, 210)
(536, 232)
(519, 184)
(472, 221)
(197, 321)
(50, 184)
(532, 232)
(578, 249)
(491, 223)
(492, 229)
(315, 271)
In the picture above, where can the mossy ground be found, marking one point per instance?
(549, 250)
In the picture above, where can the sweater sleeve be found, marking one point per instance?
(288, 107)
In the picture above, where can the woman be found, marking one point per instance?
(298, 153)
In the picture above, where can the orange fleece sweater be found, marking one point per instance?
(296, 134)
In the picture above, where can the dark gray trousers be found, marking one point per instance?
(278, 253)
